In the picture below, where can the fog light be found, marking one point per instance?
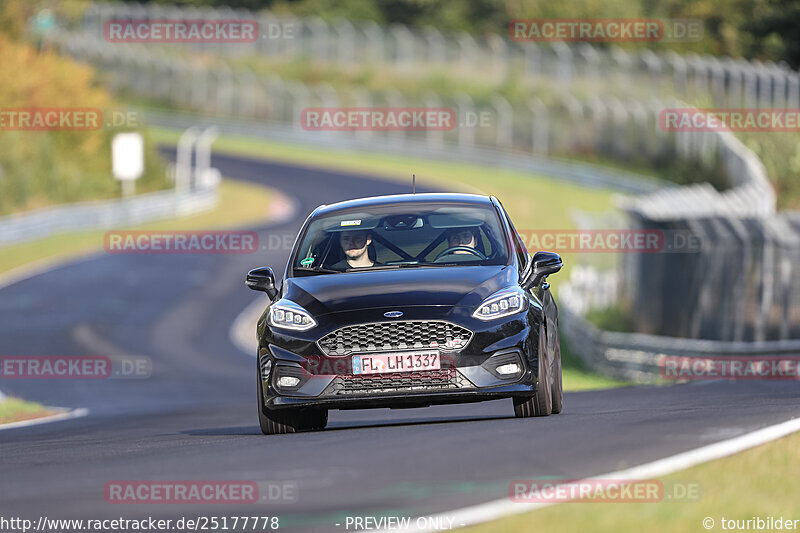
(288, 381)
(508, 370)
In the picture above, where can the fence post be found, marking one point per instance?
(396, 99)
(363, 99)
(320, 40)
(246, 94)
(468, 52)
(466, 107)
(750, 84)
(764, 85)
(591, 61)
(533, 60)
(403, 46)
(437, 51)
(375, 43)
(505, 122)
(499, 56)
(623, 65)
(540, 127)
(346, 45)
(564, 58)
(433, 138)
(300, 100)
(793, 98)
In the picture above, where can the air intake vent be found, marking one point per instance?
(391, 336)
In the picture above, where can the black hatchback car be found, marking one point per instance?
(406, 301)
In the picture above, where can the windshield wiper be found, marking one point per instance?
(400, 265)
(317, 270)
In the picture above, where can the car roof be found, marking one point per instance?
(393, 199)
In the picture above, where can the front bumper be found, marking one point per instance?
(468, 375)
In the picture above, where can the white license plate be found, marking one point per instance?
(396, 362)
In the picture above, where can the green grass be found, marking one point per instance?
(534, 201)
(760, 482)
(576, 376)
(613, 318)
(16, 410)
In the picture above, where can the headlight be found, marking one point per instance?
(289, 315)
(502, 303)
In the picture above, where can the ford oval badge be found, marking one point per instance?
(393, 314)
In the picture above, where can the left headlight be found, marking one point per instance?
(502, 303)
(287, 314)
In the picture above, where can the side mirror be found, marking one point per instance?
(544, 264)
(262, 279)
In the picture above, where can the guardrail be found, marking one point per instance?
(640, 357)
(105, 214)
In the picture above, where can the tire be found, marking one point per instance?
(541, 404)
(275, 422)
(557, 393)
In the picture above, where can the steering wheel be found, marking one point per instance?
(453, 249)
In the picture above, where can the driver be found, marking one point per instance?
(355, 245)
(462, 237)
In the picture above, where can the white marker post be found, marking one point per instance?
(127, 160)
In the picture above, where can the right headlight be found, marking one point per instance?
(289, 315)
(502, 303)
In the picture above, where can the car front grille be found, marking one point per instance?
(432, 380)
(390, 336)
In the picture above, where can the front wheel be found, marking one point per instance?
(541, 404)
(289, 420)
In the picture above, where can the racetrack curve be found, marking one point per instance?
(195, 417)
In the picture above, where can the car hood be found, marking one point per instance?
(408, 287)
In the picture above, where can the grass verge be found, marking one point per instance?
(772, 475)
(534, 201)
(16, 410)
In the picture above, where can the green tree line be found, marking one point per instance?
(754, 29)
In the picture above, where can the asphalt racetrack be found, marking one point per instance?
(195, 418)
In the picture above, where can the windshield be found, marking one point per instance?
(402, 236)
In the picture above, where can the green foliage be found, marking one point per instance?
(614, 318)
(39, 168)
(762, 29)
